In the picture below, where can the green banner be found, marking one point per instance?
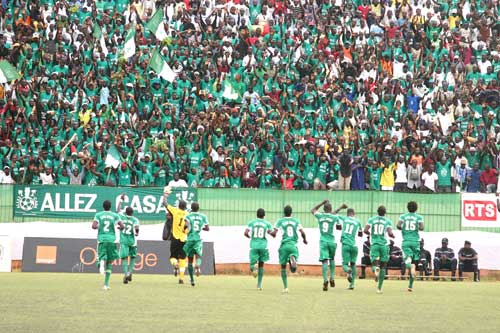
(69, 201)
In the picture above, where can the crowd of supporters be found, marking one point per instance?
(295, 94)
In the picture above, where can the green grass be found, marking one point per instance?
(46, 302)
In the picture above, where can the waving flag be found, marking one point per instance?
(161, 67)
(155, 25)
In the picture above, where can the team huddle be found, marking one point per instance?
(378, 227)
(185, 228)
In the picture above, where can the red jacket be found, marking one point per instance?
(489, 177)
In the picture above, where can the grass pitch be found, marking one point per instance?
(43, 302)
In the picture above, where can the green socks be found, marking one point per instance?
(283, 277)
(353, 275)
(345, 267)
(381, 278)
(332, 269)
(108, 274)
(132, 264)
(324, 270)
(410, 284)
(191, 271)
(260, 276)
(125, 265)
(198, 261)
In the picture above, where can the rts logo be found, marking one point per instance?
(480, 210)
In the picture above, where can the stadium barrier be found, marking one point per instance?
(76, 255)
(224, 207)
(231, 247)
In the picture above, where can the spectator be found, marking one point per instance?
(47, 177)
(396, 259)
(425, 261)
(6, 176)
(358, 174)
(467, 261)
(461, 172)
(414, 172)
(365, 259)
(401, 184)
(444, 258)
(488, 179)
(345, 171)
(177, 181)
(473, 179)
(387, 180)
(429, 179)
(444, 175)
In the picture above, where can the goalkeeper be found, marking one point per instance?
(179, 234)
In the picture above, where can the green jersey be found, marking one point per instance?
(106, 229)
(127, 235)
(196, 223)
(350, 227)
(326, 222)
(379, 226)
(258, 229)
(290, 227)
(409, 226)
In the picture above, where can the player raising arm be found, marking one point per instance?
(256, 230)
(178, 235)
(327, 245)
(377, 227)
(128, 240)
(410, 224)
(350, 226)
(105, 223)
(195, 223)
(288, 252)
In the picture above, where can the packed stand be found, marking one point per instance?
(298, 94)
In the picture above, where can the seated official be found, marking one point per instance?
(425, 261)
(467, 258)
(396, 258)
(444, 258)
(365, 259)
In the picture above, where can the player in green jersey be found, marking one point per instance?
(377, 227)
(410, 224)
(128, 241)
(327, 245)
(105, 223)
(195, 223)
(288, 252)
(350, 226)
(257, 230)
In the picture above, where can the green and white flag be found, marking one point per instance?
(161, 67)
(129, 48)
(8, 72)
(156, 26)
(229, 91)
(98, 35)
(112, 158)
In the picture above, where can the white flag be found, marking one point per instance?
(161, 67)
(129, 48)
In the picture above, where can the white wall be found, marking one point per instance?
(232, 247)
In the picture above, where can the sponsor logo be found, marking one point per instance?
(26, 199)
(46, 254)
(479, 210)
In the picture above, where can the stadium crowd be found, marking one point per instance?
(299, 94)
